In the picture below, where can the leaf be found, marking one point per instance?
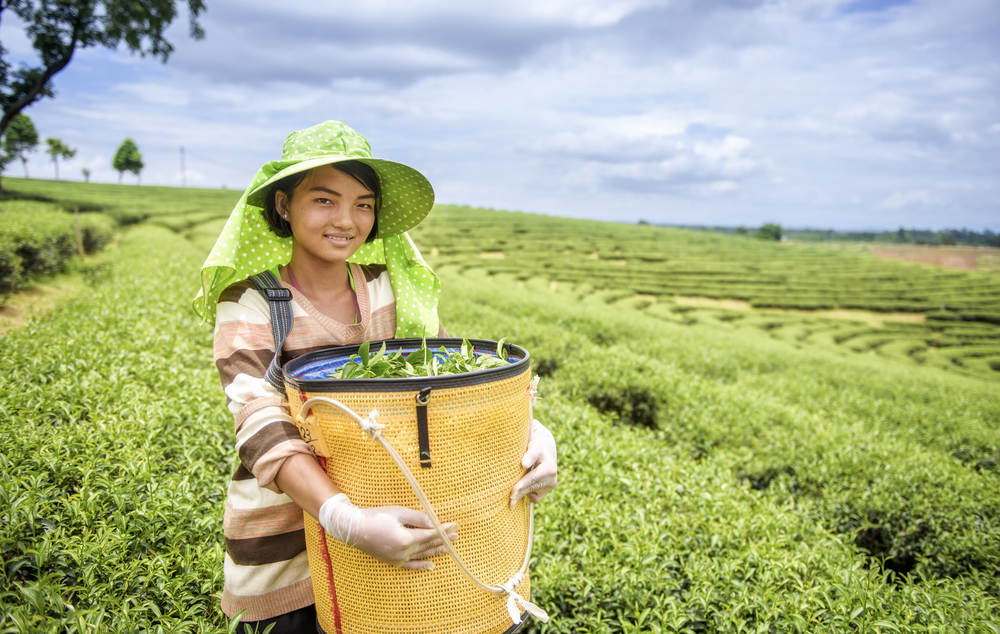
(501, 353)
(363, 351)
(381, 353)
(381, 369)
(420, 356)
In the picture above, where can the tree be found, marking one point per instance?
(21, 137)
(57, 28)
(127, 159)
(86, 174)
(56, 149)
(769, 231)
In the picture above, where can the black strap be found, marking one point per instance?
(279, 302)
(423, 435)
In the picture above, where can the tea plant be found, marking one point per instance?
(421, 362)
(40, 238)
(127, 204)
(866, 455)
(114, 456)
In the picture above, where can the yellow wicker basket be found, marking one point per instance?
(458, 441)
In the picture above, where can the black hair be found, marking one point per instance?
(361, 172)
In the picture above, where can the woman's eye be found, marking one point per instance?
(323, 201)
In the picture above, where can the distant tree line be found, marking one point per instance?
(21, 137)
(945, 237)
(57, 29)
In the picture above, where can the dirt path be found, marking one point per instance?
(38, 299)
(981, 259)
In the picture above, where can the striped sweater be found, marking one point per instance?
(266, 566)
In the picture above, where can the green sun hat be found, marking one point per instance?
(407, 197)
(247, 245)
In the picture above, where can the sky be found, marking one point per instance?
(844, 114)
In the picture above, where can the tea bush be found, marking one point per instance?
(182, 222)
(116, 453)
(39, 238)
(127, 204)
(892, 471)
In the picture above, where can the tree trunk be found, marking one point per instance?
(120, 177)
(24, 162)
(79, 232)
(56, 161)
(15, 108)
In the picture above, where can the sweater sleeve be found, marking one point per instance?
(265, 433)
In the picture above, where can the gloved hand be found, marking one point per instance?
(393, 534)
(540, 458)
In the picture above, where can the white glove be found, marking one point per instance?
(393, 534)
(540, 458)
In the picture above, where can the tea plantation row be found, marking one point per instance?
(129, 204)
(784, 285)
(735, 485)
(39, 238)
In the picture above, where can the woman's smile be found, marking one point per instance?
(339, 240)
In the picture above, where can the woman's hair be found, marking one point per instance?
(357, 170)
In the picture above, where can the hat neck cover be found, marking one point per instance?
(247, 245)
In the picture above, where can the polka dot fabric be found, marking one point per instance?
(247, 245)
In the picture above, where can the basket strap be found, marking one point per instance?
(514, 600)
(279, 301)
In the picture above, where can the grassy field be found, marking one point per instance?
(718, 474)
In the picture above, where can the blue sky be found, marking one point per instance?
(855, 114)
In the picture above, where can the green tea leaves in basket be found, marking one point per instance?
(421, 362)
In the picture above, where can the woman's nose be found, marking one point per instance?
(341, 217)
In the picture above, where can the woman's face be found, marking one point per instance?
(330, 213)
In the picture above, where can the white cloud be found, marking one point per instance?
(156, 93)
(901, 200)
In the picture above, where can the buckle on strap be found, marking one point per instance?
(278, 294)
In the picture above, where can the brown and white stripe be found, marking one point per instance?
(266, 567)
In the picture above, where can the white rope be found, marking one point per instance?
(369, 425)
(514, 599)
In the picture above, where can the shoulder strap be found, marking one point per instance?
(279, 301)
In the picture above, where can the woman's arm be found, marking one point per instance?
(272, 451)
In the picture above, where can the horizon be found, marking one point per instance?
(986, 230)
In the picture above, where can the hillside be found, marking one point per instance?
(831, 298)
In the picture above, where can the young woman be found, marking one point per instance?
(330, 222)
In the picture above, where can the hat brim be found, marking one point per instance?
(407, 196)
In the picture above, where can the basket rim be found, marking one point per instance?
(404, 384)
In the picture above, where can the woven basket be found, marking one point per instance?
(465, 461)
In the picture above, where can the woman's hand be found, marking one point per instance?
(540, 458)
(393, 534)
